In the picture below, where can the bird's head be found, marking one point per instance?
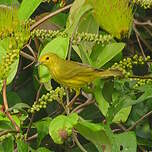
(46, 59)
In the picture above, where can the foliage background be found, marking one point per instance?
(110, 115)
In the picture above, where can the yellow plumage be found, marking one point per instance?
(73, 74)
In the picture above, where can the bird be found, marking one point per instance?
(74, 75)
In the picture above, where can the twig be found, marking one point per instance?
(49, 16)
(143, 23)
(2, 133)
(32, 137)
(31, 50)
(137, 33)
(27, 66)
(140, 77)
(27, 56)
(67, 110)
(69, 105)
(88, 102)
(142, 39)
(6, 107)
(139, 120)
(32, 117)
(78, 143)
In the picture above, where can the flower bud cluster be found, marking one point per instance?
(53, 95)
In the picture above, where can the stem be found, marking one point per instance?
(78, 143)
(32, 117)
(141, 48)
(49, 16)
(141, 77)
(2, 133)
(6, 107)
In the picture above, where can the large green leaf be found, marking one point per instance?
(103, 54)
(27, 8)
(117, 113)
(58, 46)
(42, 128)
(62, 125)
(126, 141)
(95, 133)
(8, 144)
(22, 146)
(78, 9)
(12, 98)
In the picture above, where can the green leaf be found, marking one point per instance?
(27, 8)
(58, 46)
(126, 141)
(8, 144)
(42, 128)
(103, 54)
(95, 133)
(59, 19)
(122, 115)
(12, 98)
(22, 146)
(102, 103)
(43, 149)
(78, 9)
(5, 124)
(87, 24)
(20, 106)
(62, 124)
(146, 94)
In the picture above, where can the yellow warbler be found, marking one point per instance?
(73, 74)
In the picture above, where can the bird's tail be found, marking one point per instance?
(110, 73)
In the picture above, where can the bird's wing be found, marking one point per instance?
(73, 69)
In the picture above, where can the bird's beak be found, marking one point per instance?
(37, 64)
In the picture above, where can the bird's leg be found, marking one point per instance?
(73, 99)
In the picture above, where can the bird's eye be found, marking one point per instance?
(47, 58)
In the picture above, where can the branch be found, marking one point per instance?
(5, 132)
(139, 120)
(141, 77)
(32, 117)
(6, 107)
(88, 102)
(27, 56)
(49, 16)
(148, 22)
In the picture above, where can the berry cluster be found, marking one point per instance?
(53, 95)
(89, 37)
(7, 61)
(127, 64)
(16, 33)
(144, 3)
